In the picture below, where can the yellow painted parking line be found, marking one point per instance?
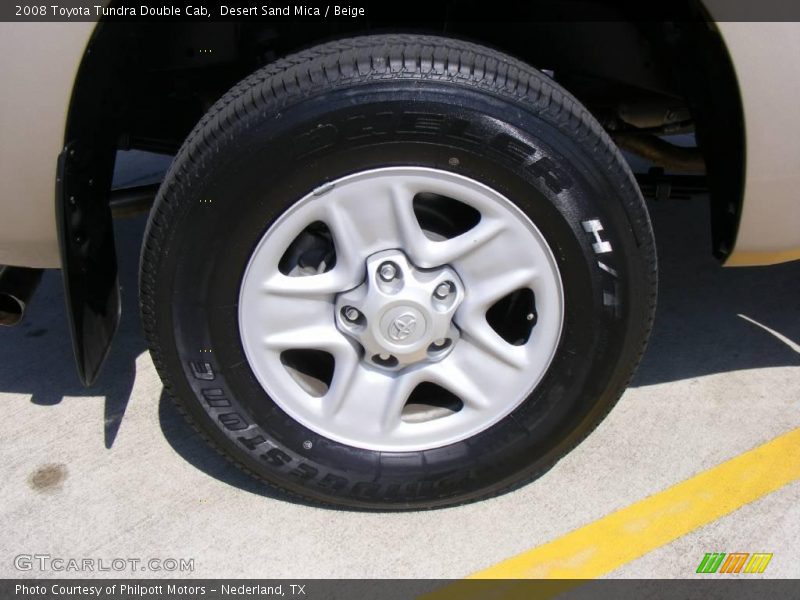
(623, 536)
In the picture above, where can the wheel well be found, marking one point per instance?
(149, 83)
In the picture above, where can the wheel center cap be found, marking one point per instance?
(403, 325)
(401, 314)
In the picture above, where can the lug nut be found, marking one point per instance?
(351, 314)
(443, 290)
(387, 271)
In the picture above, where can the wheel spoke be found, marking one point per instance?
(468, 243)
(411, 235)
(472, 387)
(481, 296)
(312, 286)
(300, 323)
(361, 398)
(375, 217)
(499, 252)
(309, 337)
(495, 350)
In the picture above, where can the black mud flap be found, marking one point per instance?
(88, 257)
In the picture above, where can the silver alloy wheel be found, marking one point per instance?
(378, 240)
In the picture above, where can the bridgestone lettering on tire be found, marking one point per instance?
(397, 272)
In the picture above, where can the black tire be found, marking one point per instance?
(373, 102)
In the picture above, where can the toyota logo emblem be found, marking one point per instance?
(402, 327)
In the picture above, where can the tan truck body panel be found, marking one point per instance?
(765, 58)
(38, 68)
(40, 63)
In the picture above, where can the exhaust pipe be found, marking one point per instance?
(17, 285)
(662, 153)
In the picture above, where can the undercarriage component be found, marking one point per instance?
(132, 201)
(662, 153)
(17, 285)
